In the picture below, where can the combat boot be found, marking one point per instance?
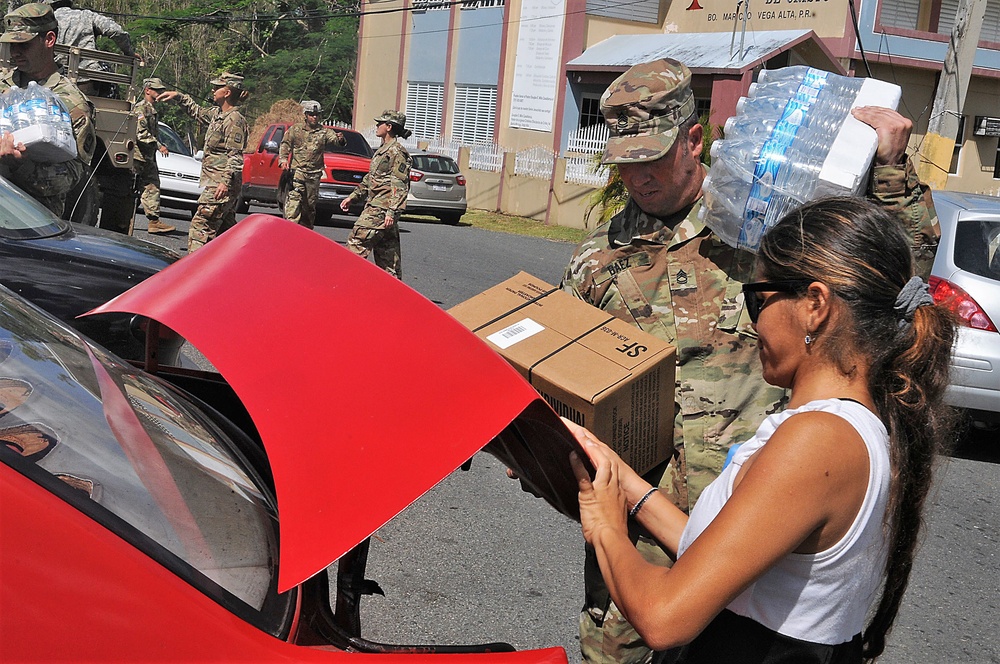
(157, 226)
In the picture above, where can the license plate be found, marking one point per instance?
(438, 187)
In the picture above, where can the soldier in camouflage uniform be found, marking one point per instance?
(80, 27)
(385, 187)
(144, 155)
(226, 134)
(656, 265)
(31, 30)
(301, 151)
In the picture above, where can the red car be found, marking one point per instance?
(265, 182)
(183, 516)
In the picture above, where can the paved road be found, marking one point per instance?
(477, 560)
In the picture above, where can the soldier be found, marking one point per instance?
(222, 166)
(31, 30)
(144, 155)
(80, 27)
(385, 187)
(655, 264)
(301, 153)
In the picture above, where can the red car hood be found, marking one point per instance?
(365, 393)
(344, 161)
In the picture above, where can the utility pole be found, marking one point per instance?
(938, 145)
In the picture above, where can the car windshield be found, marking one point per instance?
(356, 144)
(141, 458)
(977, 247)
(24, 218)
(432, 163)
(172, 140)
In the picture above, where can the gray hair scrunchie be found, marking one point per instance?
(914, 294)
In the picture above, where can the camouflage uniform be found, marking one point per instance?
(385, 187)
(146, 146)
(682, 284)
(49, 183)
(304, 147)
(225, 140)
(80, 27)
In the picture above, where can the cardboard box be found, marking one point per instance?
(591, 367)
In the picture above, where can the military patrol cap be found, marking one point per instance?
(310, 106)
(27, 21)
(154, 83)
(396, 119)
(231, 81)
(643, 109)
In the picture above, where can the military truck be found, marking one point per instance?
(109, 197)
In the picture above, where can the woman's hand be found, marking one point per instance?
(631, 482)
(602, 503)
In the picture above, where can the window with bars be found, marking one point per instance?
(424, 102)
(475, 109)
(590, 110)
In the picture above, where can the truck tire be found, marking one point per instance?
(242, 204)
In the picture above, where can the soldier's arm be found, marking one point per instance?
(285, 149)
(335, 138)
(117, 33)
(190, 106)
(235, 144)
(399, 184)
(896, 187)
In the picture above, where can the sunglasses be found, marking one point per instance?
(755, 301)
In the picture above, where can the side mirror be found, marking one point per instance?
(199, 155)
(271, 146)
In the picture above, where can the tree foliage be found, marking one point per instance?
(296, 50)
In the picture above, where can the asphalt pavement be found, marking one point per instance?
(477, 560)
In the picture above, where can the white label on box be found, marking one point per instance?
(511, 334)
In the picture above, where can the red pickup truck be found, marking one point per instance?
(265, 182)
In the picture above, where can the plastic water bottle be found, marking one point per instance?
(37, 104)
(793, 139)
(19, 117)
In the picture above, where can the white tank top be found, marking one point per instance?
(820, 597)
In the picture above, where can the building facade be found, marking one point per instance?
(527, 73)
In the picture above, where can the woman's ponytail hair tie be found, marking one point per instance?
(913, 295)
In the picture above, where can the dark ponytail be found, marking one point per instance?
(863, 254)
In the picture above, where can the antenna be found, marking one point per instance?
(742, 17)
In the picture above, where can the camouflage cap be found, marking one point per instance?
(153, 83)
(231, 81)
(392, 117)
(643, 109)
(310, 106)
(27, 21)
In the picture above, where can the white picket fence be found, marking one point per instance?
(588, 140)
(445, 146)
(536, 162)
(586, 171)
(486, 157)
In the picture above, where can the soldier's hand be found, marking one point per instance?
(893, 132)
(389, 220)
(10, 147)
(167, 96)
(345, 204)
(164, 151)
(222, 190)
(283, 164)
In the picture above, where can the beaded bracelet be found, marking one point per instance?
(635, 510)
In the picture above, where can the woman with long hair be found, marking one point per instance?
(816, 519)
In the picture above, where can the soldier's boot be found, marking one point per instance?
(157, 226)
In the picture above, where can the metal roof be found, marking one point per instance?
(704, 52)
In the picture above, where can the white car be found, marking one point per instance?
(179, 172)
(966, 277)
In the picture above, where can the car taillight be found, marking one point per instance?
(460, 179)
(415, 176)
(961, 303)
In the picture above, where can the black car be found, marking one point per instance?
(68, 269)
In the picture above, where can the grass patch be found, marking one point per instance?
(504, 223)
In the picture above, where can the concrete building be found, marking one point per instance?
(525, 73)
